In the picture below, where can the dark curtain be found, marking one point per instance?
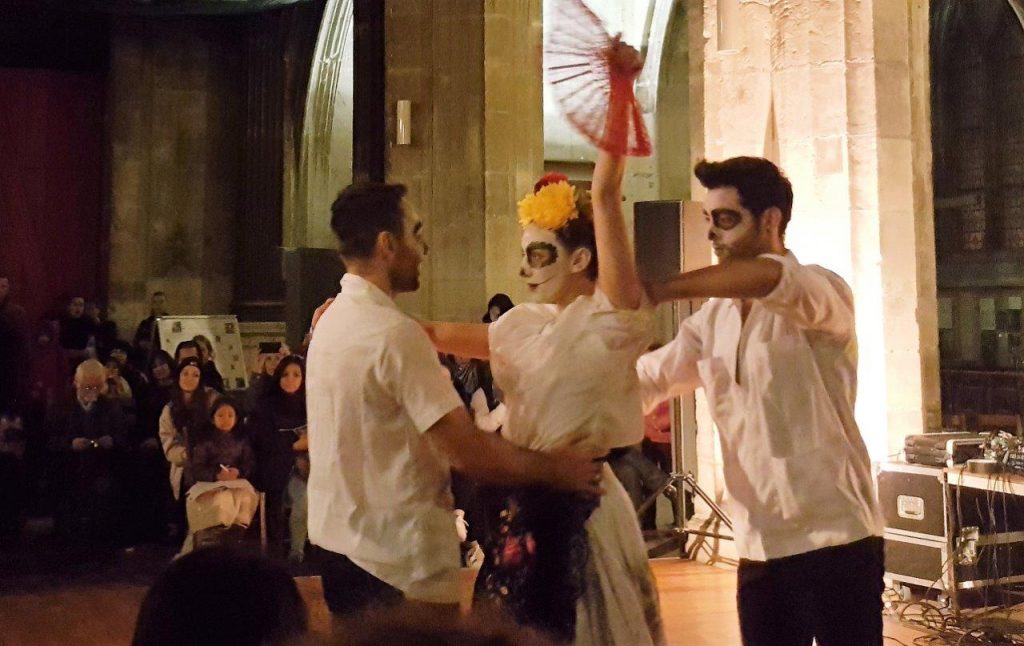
(52, 242)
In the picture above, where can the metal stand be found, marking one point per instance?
(679, 532)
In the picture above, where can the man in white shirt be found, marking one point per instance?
(386, 425)
(776, 352)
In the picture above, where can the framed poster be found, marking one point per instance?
(221, 330)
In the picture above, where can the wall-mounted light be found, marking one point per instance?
(728, 15)
(403, 121)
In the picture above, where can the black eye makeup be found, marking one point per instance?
(541, 254)
(725, 219)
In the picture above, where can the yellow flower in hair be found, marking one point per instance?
(549, 208)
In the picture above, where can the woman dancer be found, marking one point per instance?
(567, 368)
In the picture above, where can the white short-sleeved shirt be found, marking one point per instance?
(378, 491)
(781, 388)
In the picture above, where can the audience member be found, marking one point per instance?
(76, 330)
(117, 387)
(105, 331)
(88, 432)
(151, 501)
(121, 352)
(143, 340)
(182, 417)
(221, 596)
(222, 465)
(185, 349)
(496, 307)
(277, 427)
(211, 376)
(270, 355)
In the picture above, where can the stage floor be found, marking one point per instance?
(698, 606)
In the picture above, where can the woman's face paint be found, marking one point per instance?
(545, 266)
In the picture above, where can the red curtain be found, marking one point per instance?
(53, 237)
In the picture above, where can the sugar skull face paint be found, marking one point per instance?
(545, 266)
(733, 230)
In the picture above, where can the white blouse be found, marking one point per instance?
(571, 374)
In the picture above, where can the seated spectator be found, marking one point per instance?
(186, 349)
(76, 330)
(89, 431)
(105, 331)
(267, 360)
(182, 417)
(221, 596)
(144, 333)
(117, 386)
(496, 307)
(211, 376)
(222, 464)
(122, 353)
(151, 493)
(277, 427)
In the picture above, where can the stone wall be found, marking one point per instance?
(476, 140)
(175, 130)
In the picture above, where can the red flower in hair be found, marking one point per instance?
(550, 178)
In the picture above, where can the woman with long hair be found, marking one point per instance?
(182, 417)
(277, 427)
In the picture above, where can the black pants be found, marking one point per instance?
(833, 595)
(349, 589)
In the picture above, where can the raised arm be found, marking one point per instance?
(616, 268)
(461, 339)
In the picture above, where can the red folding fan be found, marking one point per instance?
(591, 84)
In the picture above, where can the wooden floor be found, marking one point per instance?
(698, 607)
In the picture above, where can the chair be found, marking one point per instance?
(236, 535)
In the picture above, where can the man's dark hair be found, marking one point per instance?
(188, 343)
(760, 184)
(361, 212)
(217, 595)
(158, 294)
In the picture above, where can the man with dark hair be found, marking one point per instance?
(185, 349)
(775, 350)
(386, 425)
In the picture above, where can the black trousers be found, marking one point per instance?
(349, 589)
(833, 595)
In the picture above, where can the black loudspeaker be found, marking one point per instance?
(311, 276)
(657, 236)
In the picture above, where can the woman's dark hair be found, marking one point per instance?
(189, 417)
(217, 595)
(579, 233)
(502, 302)
(760, 184)
(209, 430)
(165, 357)
(290, 360)
(361, 212)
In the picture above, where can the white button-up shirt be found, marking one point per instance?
(781, 388)
(378, 490)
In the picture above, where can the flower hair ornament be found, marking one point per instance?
(551, 205)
